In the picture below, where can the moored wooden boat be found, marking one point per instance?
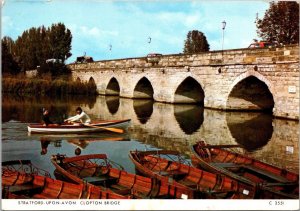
(97, 169)
(272, 182)
(24, 182)
(71, 128)
(169, 166)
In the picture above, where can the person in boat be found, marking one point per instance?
(81, 117)
(46, 119)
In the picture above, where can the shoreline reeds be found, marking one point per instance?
(46, 86)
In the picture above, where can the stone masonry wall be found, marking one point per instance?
(162, 130)
(217, 72)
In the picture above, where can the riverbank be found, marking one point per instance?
(46, 86)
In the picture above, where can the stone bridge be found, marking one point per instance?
(238, 79)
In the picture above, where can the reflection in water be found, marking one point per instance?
(189, 117)
(82, 144)
(79, 141)
(112, 103)
(158, 125)
(44, 145)
(29, 109)
(143, 109)
(79, 144)
(251, 130)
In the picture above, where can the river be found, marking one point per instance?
(153, 126)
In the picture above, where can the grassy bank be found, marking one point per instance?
(43, 86)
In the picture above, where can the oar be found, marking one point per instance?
(221, 146)
(116, 130)
(202, 144)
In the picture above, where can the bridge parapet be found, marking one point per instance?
(213, 58)
(238, 79)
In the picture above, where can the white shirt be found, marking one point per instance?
(83, 117)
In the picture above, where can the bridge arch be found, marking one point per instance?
(113, 87)
(189, 91)
(92, 85)
(250, 91)
(91, 80)
(143, 89)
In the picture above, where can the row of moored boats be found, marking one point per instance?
(215, 173)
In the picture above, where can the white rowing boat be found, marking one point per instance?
(111, 125)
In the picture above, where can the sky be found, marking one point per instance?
(107, 29)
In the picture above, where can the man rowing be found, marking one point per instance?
(80, 117)
(46, 119)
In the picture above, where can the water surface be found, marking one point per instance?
(153, 126)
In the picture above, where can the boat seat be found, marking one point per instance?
(227, 165)
(170, 173)
(253, 169)
(24, 187)
(119, 189)
(123, 192)
(17, 196)
(100, 180)
(188, 183)
(43, 196)
(268, 174)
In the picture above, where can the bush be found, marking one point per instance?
(44, 86)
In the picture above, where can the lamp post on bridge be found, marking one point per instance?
(223, 29)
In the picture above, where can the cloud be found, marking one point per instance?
(186, 20)
(96, 32)
(7, 21)
(126, 25)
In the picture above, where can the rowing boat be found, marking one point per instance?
(97, 169)
(73, 128)
(22, 180)
(169, 166)
(272, 182)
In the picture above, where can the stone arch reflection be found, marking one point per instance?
(250, 94)
(251, 130)
(189, 117)
(113, 103)
(143, 109)
(189, 91)
(113, 87)
(143, 89)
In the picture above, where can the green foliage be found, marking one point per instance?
(36, 45)
(280, 23)
(9, 65)
(195, 42)
(56, 69)
(60, 39)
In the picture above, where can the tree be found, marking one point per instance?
(9, 65)
(195, 42)
(8, 41)
(280, 23)
(60, 39)
(36, 45)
